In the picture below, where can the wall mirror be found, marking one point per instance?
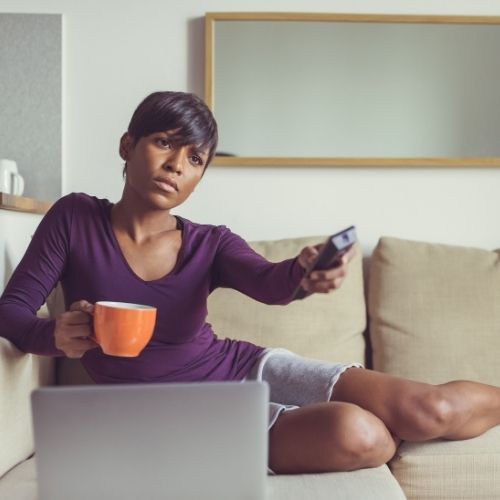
(354, 90)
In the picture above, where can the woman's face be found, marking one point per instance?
(159, 172)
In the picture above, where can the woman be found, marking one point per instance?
(323, 416)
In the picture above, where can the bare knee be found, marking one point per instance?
(366, 441)
(329, 437)
(428, 415)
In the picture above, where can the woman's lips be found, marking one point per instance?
(165, 186)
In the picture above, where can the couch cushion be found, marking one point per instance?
(19, 374)
(450, 470)
(434, 311)
(375, 484)
(20, 482)
(328, 327)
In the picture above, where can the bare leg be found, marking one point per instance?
(370, 413)
(328, 437)
(416, 411)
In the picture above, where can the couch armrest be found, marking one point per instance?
(20, 373)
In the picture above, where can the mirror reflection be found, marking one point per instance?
(355, 89)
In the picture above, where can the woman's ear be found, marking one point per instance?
(125, 146)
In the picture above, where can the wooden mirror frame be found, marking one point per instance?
(212, 17)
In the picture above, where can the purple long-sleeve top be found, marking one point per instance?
(75, 244)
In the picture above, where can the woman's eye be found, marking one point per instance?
(164, 143)
(196, 160)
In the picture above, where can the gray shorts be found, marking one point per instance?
(295, 381)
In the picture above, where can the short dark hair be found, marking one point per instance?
(183, 112)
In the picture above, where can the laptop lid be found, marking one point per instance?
(182, 441)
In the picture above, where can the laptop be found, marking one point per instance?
(179, 441)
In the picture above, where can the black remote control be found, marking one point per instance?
(335, 246)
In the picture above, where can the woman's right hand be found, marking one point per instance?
(74, 328)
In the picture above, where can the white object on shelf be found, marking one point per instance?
(11, 181)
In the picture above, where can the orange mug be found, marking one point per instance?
(123, 329)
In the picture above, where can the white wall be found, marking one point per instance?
(116, 52)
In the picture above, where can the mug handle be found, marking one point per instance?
(17, 184)
(92, 337)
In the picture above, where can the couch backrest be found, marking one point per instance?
(435, 311)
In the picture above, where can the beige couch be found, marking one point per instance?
(433, 313)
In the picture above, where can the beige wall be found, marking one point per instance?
(116, 52)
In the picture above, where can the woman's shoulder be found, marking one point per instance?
(211, 237)
(81, 201)
(199, 227)
(74, 208)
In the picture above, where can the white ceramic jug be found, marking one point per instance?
(11, 182)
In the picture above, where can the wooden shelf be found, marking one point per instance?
(23, 204)
(479, 162)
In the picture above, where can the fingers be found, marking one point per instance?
(74, 328)
(77, 348)
(308, 255)
(83, 306)
(324, 281)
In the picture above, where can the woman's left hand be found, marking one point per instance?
(327, 280)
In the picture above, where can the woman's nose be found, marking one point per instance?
(175, 160)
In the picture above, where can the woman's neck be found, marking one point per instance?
(141, 224)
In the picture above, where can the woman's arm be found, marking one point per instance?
(238, 266)
(34, 278)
